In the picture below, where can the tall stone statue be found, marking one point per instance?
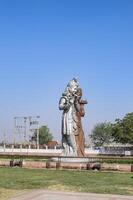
(73, 109)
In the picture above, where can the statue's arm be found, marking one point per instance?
(63, 105)
(77, 105)
(80, 108)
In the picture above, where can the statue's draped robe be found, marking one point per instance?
(68, 137)
(79, 134)
(72, 132)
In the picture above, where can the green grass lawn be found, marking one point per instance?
(18, 179)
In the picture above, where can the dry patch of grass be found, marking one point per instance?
(59, 187)
(129, 189)
(8, 193)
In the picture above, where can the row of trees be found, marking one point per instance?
(120, 132)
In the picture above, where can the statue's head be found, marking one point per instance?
(73, 86)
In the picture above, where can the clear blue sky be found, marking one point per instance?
(45, 43)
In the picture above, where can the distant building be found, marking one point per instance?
(52, 144)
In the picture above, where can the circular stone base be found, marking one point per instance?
(71, 159)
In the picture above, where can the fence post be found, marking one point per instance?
(4, 147)
(132, 168)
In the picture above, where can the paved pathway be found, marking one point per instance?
(54, 195)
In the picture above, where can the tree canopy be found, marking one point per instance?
(123, 129)
(101, 134)
(44, 135)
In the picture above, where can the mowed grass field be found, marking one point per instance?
(16, 180)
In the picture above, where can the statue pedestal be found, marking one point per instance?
(71, 159)
(79, 163)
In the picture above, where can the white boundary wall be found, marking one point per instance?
(40, 151)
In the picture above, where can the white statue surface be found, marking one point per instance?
(73, 109)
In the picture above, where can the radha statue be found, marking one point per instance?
(73, 141)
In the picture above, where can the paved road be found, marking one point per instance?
(53, 195)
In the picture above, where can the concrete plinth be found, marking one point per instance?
(71, 160)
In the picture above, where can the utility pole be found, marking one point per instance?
(38, 135)
(14, 135)
(4, 137)
(25, 120)
(34, 121)
(20, 124)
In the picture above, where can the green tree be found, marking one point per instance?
(123, 129)
(44, 135)
(101, 134)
